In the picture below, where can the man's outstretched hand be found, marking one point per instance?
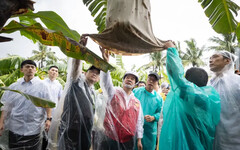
(105, 54)
(83, 40)
(169, 44)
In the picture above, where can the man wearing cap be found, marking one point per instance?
(227, 84)
(79, 104)
(151, 103)
(123, 120)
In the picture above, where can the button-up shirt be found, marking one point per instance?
(55, 91)
(23, 117)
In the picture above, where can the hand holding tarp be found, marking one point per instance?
(105, 54)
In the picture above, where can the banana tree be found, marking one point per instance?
(10, 69)
(57, 33)
(220, 13)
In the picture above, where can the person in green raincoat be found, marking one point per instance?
(151, 103)
(191, 110)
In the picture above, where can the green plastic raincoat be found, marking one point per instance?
(151, 104)
(190, 113)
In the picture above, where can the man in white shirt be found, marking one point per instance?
(124, 117)
(55, 90)
(20, 116)
(227, 84)
(54, 85)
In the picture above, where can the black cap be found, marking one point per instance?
(155, 74)
(92, 68)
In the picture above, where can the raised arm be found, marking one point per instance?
(106, 80)
(174, 67)
(76, 63)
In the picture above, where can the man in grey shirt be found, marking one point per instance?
(20, 116)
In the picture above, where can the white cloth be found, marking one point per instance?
(23, 117)
(108, 85)
(227, 135)
(55, 90)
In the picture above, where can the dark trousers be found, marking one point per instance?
(20, 142)
(110, 144)
(44, 141)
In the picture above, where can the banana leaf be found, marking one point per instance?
(220, 14)
(10, 64)
(51, 20)
(99, 8)
(68, 46)
(238, 32)
(39, 102)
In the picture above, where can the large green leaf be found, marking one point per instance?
(10, 64)
(220, 14)
(68, 46)
(10, 78)
(52, 21)
(99, 8)
(39, 102)
(238, 32)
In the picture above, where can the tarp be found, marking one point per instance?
(128, 28)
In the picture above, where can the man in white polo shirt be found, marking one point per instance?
(55, 91)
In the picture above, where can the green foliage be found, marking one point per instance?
(142, 74)
(10, 69)
(193, 54)
(157, 60)
(69, 47)
(228, 43)
(99, 8)
(52, 21)
(238, 32)
(10, 64)
(220, 14)
(117, 75)
(39, 102)
(119, 61)
(44, 55)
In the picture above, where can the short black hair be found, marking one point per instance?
(197, 75)
(31, 62)
(53, 67)
(141, 82)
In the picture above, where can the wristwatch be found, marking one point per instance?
(50, 119)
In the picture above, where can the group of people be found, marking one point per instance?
(196, 115)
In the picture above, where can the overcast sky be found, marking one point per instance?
(171, 19)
